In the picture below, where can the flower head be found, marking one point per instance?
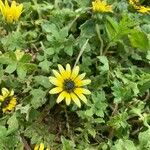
(143, 9)
(10, 13)
(7, 100)
(138, 7)
(101, 6)
(69, 84)
(40, 147)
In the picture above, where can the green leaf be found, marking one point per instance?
(104, 61)
(3, 132)
(144, 139)
(49, 51)
(38, 98)
(11, 67)
(45, 65)
(67, 144)
(26, 58)
(139, 40)
(111, 28)
(12, 124)
(21, 71)
(123, 145)
(42, 80)
(88, 29)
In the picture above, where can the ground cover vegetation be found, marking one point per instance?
(75, 75)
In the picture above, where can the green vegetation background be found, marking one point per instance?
(116, 58)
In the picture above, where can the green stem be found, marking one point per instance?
(100, 39)
(107, 48)
(81, 52)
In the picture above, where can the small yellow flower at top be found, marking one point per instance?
(11, 13)
(133, 2)
(143, 9)
(101, 6)
(7, 100)
(40, 147)
(69, 84)
(138, 7)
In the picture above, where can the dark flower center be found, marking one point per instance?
(69, 85)
(6, 102)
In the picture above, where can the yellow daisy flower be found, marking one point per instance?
(7, 100)
(143, 9)
(40, 147)
(10, 13)
(101, 6)
(69, 84)
(138, 7)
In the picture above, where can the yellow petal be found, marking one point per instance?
(13, 101)
(57, 74)
(68, 71)
(36, 147)
(11, 93)
(82, 91)
(56, 81)
(83, 82)
(56, 90)
(2, 98)
(5, 92)
(80, 77)
(61, 69)
(68, 99)
(10, 107)
(83, 98)
(41, 146)
(75, 72)
(2, 8)
(75, 99)
(61, 96)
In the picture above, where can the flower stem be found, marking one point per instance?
(81, 52)
(100, 38)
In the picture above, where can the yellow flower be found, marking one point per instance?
(101, 6)
(138, 7)
(69, 84)
(143, 9)
(133, 2)
(10, 13)
(40, 147)
(7, 100)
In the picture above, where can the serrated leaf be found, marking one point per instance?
(42, 80)
(38, 98)
(45, 65)
(104, 61)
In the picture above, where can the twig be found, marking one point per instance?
(106, 49)
(147, 96)
(67, 121)
(112, 130)
(81, 52)
(26, 145)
